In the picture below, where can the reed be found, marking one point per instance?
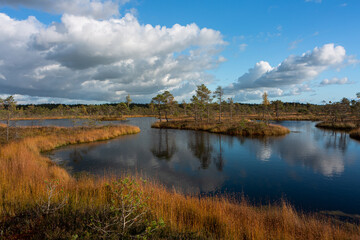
(24, 168)
(238, 128)
(191, 217)
(224, 218)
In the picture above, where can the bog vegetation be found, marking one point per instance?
(41, 200)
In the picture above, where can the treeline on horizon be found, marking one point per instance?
(335, 111)
(145, 108)
(111, 109)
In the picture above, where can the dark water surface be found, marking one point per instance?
(312, 168)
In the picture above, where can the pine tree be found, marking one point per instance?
(219, 92)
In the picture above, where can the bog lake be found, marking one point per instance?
(313, 169)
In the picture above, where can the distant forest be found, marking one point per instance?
(205, 104)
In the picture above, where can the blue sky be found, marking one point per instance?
(227, 41)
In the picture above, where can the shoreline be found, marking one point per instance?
(345, 126)
(78, 117)
(22, 185)
(239, 128)
(355, 134)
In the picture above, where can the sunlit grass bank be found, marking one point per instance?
(112, 117)
(337, 125)
(355, 134)
(40, 200)
(221, 218)
(289, 117)
(238, 128)
(24, 169)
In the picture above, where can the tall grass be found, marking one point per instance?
(355, 134)
(239, 128)
(24, 169)
(222, 218)
(96, 117)
(349, 125)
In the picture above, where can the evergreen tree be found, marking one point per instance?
(203, 94)
(219, 92)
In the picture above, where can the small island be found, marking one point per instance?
(345, 126)
(204, 118)
(236, 128)
(342, 116)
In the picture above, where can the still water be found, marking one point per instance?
(312, 168)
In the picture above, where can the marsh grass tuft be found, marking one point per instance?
(238, 128)
(355, 134)
(346, 126)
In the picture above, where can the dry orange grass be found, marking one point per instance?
(115, 118)
(291, 117)
(47, 118)
(355, 134)
(349, 125)
(216, 218)
(24, 169)
(238, 128)
(220, 218)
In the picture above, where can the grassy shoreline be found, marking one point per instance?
(22, 184)
(355, 134)
(124, 117)
(291, 117)
(240, 128)
(346, 126)
(24, 168)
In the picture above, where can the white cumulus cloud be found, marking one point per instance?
(292, 76)
(85, 58)
(291, 73)
(94, 8)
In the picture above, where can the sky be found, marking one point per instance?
(92, 51)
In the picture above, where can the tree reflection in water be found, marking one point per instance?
(219, 160)
(164, 146)
(200, 145)
(336, 140)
